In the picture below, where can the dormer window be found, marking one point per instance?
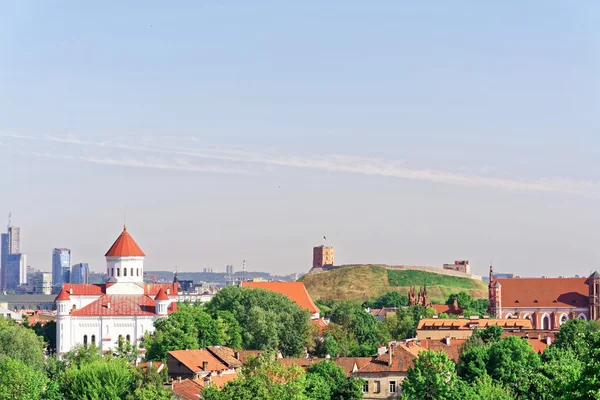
(535, 301)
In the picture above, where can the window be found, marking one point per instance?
(113, 272)
(128, 339)
(107, 329)
(131, 272)
(366, 387)
(118, 271)
(124, 271)
(377, 386)
(546, 322)
(392, 386)
(137, 272)
(93, 339)
(563, 319)
(85, 340)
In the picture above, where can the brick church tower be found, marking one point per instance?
(494, 296)
(594, 286)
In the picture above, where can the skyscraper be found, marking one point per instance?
(79, 273)
(10, 243)
(16, 271)
(61, 267)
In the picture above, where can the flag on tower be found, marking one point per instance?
(324, 238)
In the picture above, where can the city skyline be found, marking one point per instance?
(404, 133)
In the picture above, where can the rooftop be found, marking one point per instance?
(544, 292)
(124, 246)
(295, 291)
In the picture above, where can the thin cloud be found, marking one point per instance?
(331, 163)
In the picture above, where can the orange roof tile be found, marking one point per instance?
(538, 345)
(187, 389)
(218, 380)
(161, 295)
(193, 359)
(120, 305)
(319, 323)
(226, 355)
(544, 292)
(445, 308)
(469, 324)
(124, 246)
(85, 289)
(152, 289)
(63, 295)
(295, 291)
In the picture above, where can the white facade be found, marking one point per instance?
(123, 307)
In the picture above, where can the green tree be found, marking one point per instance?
(126, 350)
(576, 335)
(473, 363)
(107, 378)
(560, 373)
(401, 325)
(463, 298)
(283, 324)
(48, 332)
(19, 381)
(514, 364)
(21, 344)
(389, 299)
(263, 378)
(432, 378)
(341, 387)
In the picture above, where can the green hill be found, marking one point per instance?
(365, 282)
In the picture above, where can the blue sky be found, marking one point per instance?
(406, 133)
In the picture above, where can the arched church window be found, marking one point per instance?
(118, 271)
(93, 339)
(137, 272)
(563, 319)
(131, 272)
(85, 340)
(546, 322)
(124, 271)
(113, 272)
(128, 339)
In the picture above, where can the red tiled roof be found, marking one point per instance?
(85, 289)
(193, 359)
(124, 246)
(226, 355)
(445, 308)
(348, 363)
(162, 295)
(63, 295)
(544, 292)
(187, 389)
(152, 289)
(295, 291)
(538, 345)
(218, 380)
(319, 323)
(120, 305)
(469, 324)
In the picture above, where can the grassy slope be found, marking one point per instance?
(365, 282)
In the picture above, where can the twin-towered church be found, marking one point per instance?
(124, 306)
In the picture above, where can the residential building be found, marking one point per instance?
(546, 302)
(10, 243)
(80, 273)
(61, 267)
(323, 256)
(6, 313)
(295, 291)
(462, 328)
(41, 282)
(123, 307)
(16, 271)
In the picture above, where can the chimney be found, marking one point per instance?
(179, 379)
(70, 290)
(381, 350)
(548, 340)
(205, 365)
(391, 356)
(206, 379)
(447, 340)
(108, 305)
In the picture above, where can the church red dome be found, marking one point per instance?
(124, 246)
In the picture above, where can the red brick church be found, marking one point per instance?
(547, 302)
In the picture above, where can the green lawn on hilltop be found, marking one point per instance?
(364, 282)
(419, 278)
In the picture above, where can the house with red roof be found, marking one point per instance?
(123, 307)
(546, 302)
(295, 291)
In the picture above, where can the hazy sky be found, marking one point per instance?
(406, 133)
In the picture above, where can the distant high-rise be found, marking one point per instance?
(229, 270)
(61, 267)
(79, 273)
(16, 271)
(10, 243)
(41, 282)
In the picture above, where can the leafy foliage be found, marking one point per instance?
(432, 377)
(389, 299)
(267, 320)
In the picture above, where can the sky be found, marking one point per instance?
(404, 132)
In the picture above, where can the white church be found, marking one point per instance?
(124, 306)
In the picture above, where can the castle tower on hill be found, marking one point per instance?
(323, 256)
